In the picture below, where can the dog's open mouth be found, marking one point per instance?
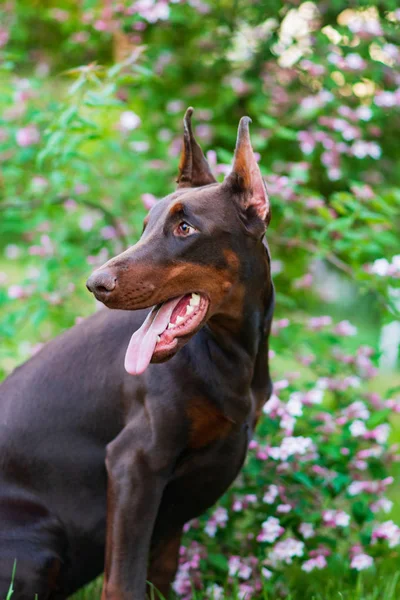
(158, 337)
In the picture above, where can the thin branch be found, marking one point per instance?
(107, 214)
(329, 257)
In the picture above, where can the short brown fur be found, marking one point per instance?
(207, 423)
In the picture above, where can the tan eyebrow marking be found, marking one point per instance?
(177, 208)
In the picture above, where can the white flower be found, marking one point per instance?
(283, 508)
(381, 433)
(285, 550)
(319, 562)
(342, 519)
(364, 113)
(215, 592)
(357, 410)
(380, 267)
(271, 530)
(271, 494)
(129, 120)
(306, 530)
(314, 396)
(291, 446)
(387, 531)
(221, 516)
(266, 573)
(336, 518)
(294, 405)
(12, 251)
(345, 328)
(234, 565)
(211, 528)
(385, 99)
(357, 428)
(383, 504)
(244, 571)
(361, 562)
(354, 61)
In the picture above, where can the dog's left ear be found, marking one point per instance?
(246, 179)
(194, 170)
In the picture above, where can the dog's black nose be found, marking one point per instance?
(101, 284)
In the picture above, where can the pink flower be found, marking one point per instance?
(27, 136)
(387, 531)
(149, 200)
(314, 563)
(307, 530)
(271, 494)
(108, 232)
(4, 37)
(354, 62)
(345, 328)
(383, 504)
(356, 410)
(266, 573)
(270, 530)
(380, 434)
(357, 428)
(87, 221)
(304, 282)
(238, 567)
(335, 518)
(70, 205)
(362, 561)
(369, 487)
(317, 323)
(15, 292)
(291, 446)
(283, 508)
(286, 550)
(280, 324)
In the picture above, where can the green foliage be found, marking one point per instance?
(87, 142)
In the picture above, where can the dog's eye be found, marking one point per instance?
(184, 229)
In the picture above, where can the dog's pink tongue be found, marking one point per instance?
(144, 340)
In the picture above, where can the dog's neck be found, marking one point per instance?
(234, 343)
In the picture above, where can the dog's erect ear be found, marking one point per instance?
(194, 170)
(246, 177)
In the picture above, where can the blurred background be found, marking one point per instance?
(92, 98)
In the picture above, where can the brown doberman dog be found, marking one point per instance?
(110, 442)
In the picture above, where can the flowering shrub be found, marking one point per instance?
(90, 132)
(314, 489)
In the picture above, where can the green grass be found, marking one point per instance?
(323, 585)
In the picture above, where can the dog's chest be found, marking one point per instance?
(207, 423)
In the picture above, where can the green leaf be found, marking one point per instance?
(218, 561)
(303, 479)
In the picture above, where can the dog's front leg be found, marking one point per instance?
(138, 469)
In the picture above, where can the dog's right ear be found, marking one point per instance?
(194, 170)
(246, 179)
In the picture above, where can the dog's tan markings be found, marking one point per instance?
(163, 563)
(176, 208)
(207, 423)
(232, 260)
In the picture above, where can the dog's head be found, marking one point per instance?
(196, 248)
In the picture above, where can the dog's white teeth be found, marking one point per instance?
(158, 338)
(194, 300)
(189, 309)
(179, 319)
(170, 326)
